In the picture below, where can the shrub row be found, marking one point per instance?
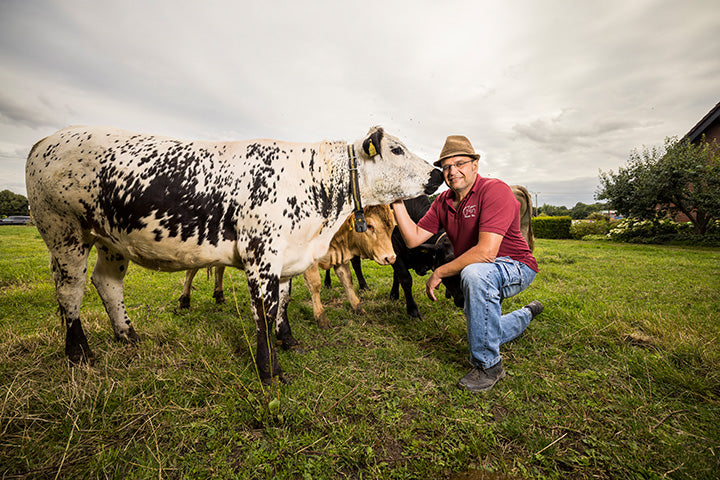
(663, 231)
(552, 227)
(627, 230)
(584, 228)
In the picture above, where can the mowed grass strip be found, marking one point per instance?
(618, 378)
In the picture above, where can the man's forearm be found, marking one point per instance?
(484, 252)
(411, 233)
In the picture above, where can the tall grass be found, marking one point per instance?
(618, 378)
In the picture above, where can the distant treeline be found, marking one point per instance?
(13, 204)
(579, 212)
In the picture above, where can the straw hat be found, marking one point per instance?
(456, 145)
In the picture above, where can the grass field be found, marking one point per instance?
(618, 378)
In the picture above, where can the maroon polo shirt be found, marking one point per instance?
(489, 207)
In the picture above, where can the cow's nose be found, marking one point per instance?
(436, 179)
(390, 259)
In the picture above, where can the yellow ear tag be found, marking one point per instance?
(352, 224)
(371, 149)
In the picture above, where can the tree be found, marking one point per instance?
(553, 211)
(581, 210)
(13, 204)
(681, 177)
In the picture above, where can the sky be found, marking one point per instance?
(550, 92)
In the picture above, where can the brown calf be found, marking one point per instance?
(373, 244)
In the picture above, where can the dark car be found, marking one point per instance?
(15, 220)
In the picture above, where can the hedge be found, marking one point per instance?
(552, 227)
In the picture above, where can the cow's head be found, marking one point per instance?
(375, 243)
(388, 171)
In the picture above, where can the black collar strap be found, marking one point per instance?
(360, 225)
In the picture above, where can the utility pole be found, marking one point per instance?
(537, 207)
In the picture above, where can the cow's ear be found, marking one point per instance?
(371, 144)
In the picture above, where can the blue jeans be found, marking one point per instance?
(485, 286)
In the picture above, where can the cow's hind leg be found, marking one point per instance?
(283, 333)
(69, 252)
(107, 277)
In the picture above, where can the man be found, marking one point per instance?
(482, 220)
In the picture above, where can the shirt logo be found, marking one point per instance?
(470, 211)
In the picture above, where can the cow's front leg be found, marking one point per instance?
(312, 281)
(264, 286)
(218, 293)
(343, 273)
(187, 288)
(283, 333)
(395, 289)
(357, 268)
(406, 282)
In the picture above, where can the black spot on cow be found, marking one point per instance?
(166, 189)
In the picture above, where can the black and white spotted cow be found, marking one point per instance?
(266, 206)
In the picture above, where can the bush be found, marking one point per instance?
(597, 238)
(552, 227)
(664, 231)
(583, 228)
(630, 229)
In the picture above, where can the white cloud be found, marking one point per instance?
(547, 91)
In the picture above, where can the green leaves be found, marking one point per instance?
(679, 178)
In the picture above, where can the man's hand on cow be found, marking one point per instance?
(432, 284)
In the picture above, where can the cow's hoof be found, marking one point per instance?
(275, 381)
(323, 321)
(184, 302)
(129, 337)
(80, 356)
(414, 313)
(290, 344)
(363, 286)
(394, 296)
(219, 298)
(359, 310)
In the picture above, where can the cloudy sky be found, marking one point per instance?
(550, 92)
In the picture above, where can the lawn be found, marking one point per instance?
(618, 378)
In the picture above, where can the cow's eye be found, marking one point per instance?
(397, 150)
(371, 229)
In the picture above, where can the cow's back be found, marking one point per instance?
(135, 191)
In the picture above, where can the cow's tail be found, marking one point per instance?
(526, 217)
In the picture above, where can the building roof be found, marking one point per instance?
(702, 126)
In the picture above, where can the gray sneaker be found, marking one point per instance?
(481, 379)
(535, 308)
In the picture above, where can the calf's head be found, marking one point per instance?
(375, 243)
(388, 171)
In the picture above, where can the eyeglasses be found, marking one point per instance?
(446, 168)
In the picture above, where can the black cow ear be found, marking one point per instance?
(371, 145)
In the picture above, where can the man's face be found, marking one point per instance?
(459, 172)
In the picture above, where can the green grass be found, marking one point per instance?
(618, 378)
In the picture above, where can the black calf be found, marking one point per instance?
(428, 256)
